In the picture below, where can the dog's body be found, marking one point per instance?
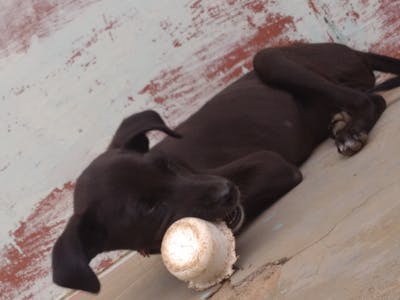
(242, 148)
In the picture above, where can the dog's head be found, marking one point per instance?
(126, 199)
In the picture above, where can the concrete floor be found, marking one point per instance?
(71, 70)
(335, 236)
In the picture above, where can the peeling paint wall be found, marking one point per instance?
(71, 70)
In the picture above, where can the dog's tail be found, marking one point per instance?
(389, 89)
(383, 63)
(388, 84)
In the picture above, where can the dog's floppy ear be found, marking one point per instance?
(131, 134)
(70, 261)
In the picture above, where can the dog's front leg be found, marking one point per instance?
(262, 178)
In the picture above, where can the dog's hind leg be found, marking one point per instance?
(293, 73)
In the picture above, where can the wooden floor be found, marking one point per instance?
(71, 70)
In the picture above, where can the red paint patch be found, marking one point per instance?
(214, 11)
(175, 84)
(105, 263)
(388, 13)
(74, 57)
(313, 6)
(161, 83)
(354, 14)
(230, 65)
(256, 6)
(109, 24)
(196, 4)
(165, 24)
(159, 100)
(177, 43)
(250, 21)
(27, 260)
(93, 38)
(23, 261)
(21, 20)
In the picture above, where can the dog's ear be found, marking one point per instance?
(131, 134)
(70, 259)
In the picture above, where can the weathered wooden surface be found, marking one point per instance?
(71, 70)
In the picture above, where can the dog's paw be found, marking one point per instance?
(349, 143)
(339, 122)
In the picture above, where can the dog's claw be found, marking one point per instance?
(349, 144)
(348, 140)
(339, 122)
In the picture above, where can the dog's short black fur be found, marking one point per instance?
(243, 147)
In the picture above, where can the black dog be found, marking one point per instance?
(240, 150)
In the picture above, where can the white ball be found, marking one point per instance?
(199, 252)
